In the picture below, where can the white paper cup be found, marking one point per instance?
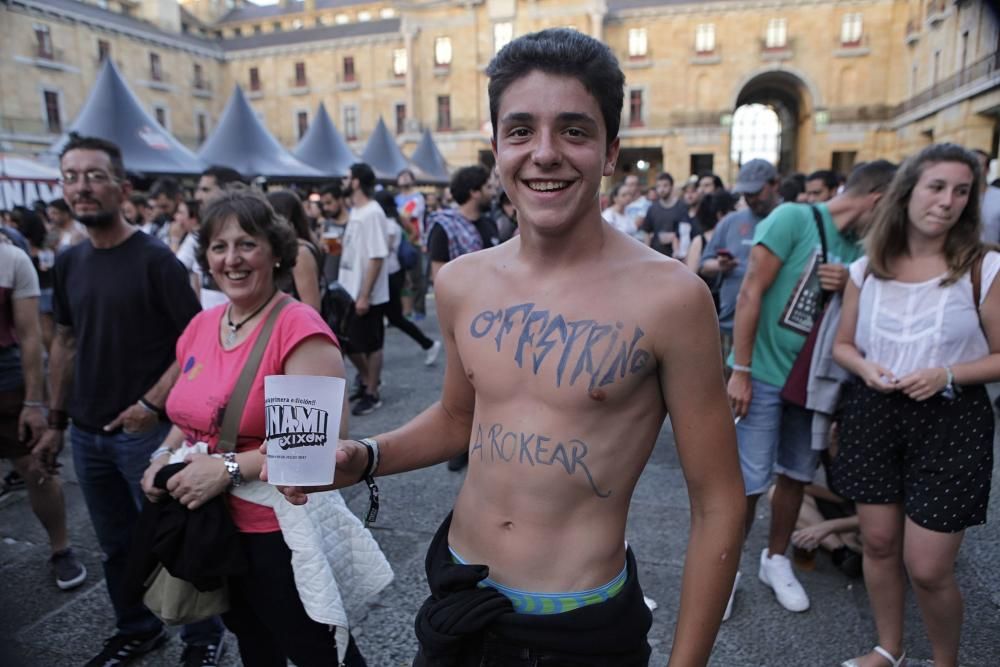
(302, 421)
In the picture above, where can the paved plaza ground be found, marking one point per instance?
(45, 627)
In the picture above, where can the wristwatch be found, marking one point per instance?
(233, 468)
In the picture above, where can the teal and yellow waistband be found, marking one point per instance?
(540, 604)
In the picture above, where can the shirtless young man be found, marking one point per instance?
(559, 376)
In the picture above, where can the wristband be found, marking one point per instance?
(371, 445)
(150, 407)
(740, 368)
(58, 419)
(950, 391)
(33, 404)
(160, 452)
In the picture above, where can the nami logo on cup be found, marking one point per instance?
(295, 423)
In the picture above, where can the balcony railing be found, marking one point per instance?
(984, 68)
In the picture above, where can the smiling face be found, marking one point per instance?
(939, 198)
(551, 151)
(242, 265)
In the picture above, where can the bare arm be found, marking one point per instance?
(61, 358)
(306, 278)
(435, 267)
(136, 418)
(372, 269)
(761, 272)
(31, 423)
(693, 259)
(846, 353)
(692, 379)
(437, 434)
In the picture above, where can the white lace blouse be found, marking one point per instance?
(910, 326)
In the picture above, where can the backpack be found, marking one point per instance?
(337, 310)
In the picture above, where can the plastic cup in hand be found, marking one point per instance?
(302, 420)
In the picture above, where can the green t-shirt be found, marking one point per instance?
(790, 305)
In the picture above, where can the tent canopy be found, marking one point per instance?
(241, 141)
(113, 112)
(323, 148)
(383, 155)
(428, 159)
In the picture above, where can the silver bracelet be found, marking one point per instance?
(33, 404)
(740, 368)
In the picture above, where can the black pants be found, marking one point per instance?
(394, 311)
(267, 616)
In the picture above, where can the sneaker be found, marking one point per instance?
(357, 389)
(13, 481)
(123, 649)
(70, 572)
(432, 353)
(203, 655)
(367, 404)
(732, 596)
(459, 462)
(776, 572)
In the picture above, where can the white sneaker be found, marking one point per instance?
(732, 596)
(776, 572)
(432, 353)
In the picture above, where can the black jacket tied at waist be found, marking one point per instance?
(200, 545)
(460, 623)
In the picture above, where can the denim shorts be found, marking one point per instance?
(774, 437)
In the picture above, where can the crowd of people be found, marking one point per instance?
(839, 335)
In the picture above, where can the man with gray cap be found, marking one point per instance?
(778, 302)
(728, 253)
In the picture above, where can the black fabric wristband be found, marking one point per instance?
(369, 480)
(159, 412)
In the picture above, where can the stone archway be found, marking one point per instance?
(792, 98)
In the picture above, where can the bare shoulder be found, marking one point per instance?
(465, 275)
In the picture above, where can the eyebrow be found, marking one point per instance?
(564, 117)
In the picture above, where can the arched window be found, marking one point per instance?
(756, 134)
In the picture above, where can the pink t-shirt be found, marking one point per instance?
(208, 377)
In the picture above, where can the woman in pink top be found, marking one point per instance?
(247, 249)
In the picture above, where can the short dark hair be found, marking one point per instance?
(665, 176)
(406, 171)
(333, 189)
(30, 224)
(830, 180)
(790, 189)
(288, 205)
(981, 153)
(224, 175)
(869, 177)
(719, 185)
(388, 204)
(78, 142)
(466, 180)
(562, 52)
(257, 218)
(61, 205)
(366, 177)
(165, 186)
(139, 199)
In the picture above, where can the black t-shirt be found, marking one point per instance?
(437, 240)
(662, 219)
(127, 306)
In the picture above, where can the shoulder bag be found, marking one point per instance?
(176, 601)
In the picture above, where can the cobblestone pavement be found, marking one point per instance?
(43, 626)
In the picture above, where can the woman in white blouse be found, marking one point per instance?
(917, 425)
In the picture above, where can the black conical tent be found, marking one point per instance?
(241, 141)
(323, 148)
(114, 113)
(383, 155)
(428, 159)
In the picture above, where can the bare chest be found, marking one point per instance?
(567, 356)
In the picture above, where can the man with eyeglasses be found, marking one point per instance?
(121, 301)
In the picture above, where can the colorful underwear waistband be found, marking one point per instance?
(526, 602)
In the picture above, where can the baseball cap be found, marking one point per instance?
(753, 176)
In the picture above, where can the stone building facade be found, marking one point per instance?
(850, 80)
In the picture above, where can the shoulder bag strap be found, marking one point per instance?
(977, 289)
(821, 228)
(238, 399)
